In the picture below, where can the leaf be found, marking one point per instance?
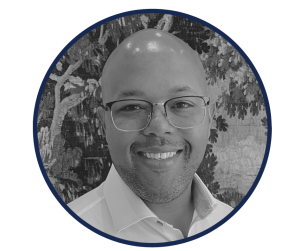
(235, 67)
(208, 148)
(231, 198)
(206, 171)
(222, 73)
(252, 88)
(254, 108)
(225, 64)
(56, 169)
(237, 94)
(260, 99)
(211, 74)
(214, 187)
(229, 105)
(214, 60)
(242, 109)
(221, 124)
(264, 122)
(46, 106)
(229, 50)
(213, 135)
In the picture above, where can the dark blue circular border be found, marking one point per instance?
(268, 145)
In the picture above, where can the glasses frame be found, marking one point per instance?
(108, 105)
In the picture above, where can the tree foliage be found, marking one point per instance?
(206, 170)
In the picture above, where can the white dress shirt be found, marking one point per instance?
(115, 209)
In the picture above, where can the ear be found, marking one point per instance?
(101, 116)
(211, 112)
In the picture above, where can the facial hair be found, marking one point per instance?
(143, 188)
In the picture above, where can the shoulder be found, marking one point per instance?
(99, 206)
(92, 208)
(87, 201)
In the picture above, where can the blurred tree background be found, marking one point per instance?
(71, 140)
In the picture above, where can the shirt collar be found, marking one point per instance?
(127, 208)
(204, 202)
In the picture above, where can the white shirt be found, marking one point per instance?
(115, 209)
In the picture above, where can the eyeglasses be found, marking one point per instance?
(131, 115)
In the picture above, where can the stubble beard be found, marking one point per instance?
(166, 192)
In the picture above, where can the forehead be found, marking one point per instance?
(153, 66)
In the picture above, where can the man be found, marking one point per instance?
(157, 117)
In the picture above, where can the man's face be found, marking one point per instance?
(153, 69)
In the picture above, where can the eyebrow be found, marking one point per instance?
(178, 89)
(131, 93)
(137, 93)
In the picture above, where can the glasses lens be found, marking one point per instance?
(130, 115)
(186, 112)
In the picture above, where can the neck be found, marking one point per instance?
(178, 212)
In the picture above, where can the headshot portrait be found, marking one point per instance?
(152, 128)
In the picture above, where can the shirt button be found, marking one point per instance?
(160, 223)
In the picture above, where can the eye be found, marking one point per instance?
(130, 108)
(182, 104)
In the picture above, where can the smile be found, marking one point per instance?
(159, 156)
(159, 160)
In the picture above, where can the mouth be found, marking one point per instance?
(159, 161)
(159, 156)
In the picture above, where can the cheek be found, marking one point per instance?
(198, 140)
(115, 145)
(119, 145)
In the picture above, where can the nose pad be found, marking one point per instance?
(158, 116)
(163, 110)
(158, 123)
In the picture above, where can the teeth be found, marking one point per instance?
(159, 155)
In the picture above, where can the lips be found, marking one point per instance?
(158, 161)
(158, 156)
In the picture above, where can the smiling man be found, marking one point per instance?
(156, 116)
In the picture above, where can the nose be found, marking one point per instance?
(159, 124)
